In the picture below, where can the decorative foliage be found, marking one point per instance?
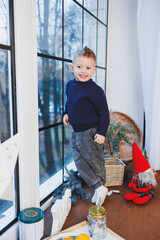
(145, 154)
(74, 182)
(117, 135)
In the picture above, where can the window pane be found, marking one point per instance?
(80, 1)
(102, 10)
(101, 78)
(102, 44)
(50, 154)
(4, 23)
(91, 5)
(49, 91)
(94, 77)
(72, 28)
(4, 95)
(49, 18)
(90, 32)
(68, 157)
(8, 210)
(68, 75)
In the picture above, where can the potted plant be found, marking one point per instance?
(117, 135)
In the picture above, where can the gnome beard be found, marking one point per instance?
(148, 177)
(143, 179)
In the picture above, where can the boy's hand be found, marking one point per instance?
(99, 138)
(66, 120)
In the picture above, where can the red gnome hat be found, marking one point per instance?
(139, 161)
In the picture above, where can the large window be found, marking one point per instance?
(63, 27)
(8, 201)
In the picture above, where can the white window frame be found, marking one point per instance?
(25, 23)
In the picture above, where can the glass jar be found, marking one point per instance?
(97, 222)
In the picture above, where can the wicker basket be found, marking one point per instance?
(114, 171)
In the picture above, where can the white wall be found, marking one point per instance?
(124, 89)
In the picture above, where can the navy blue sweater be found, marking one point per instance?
(87, 106)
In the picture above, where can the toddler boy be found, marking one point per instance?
(87, 112)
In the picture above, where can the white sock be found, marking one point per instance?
(93, 200)
(101, 192)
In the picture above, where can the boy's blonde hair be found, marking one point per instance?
(84, 52)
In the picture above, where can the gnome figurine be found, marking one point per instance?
(143, 179)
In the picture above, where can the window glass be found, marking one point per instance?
(91, 6)
(101, 76)
(50, 154)
(4, 95)
(72, 28)
(80, 1)
(4, 22)
(90, 31)
(102, 13)
(101, 50)
(68, 157)
(8, 208)
(49, 15)
(80, 28)
(8, 198)
(94, 77)
(49, 91)
(68, 75)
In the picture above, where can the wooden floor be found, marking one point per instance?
(130, 221)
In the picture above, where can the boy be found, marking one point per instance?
(87, 112)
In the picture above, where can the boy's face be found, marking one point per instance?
(83, 68)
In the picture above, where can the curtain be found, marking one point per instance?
(148, 31)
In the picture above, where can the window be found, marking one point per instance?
(63, 27)
(8, 201)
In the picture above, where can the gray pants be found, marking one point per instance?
(89, 157)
